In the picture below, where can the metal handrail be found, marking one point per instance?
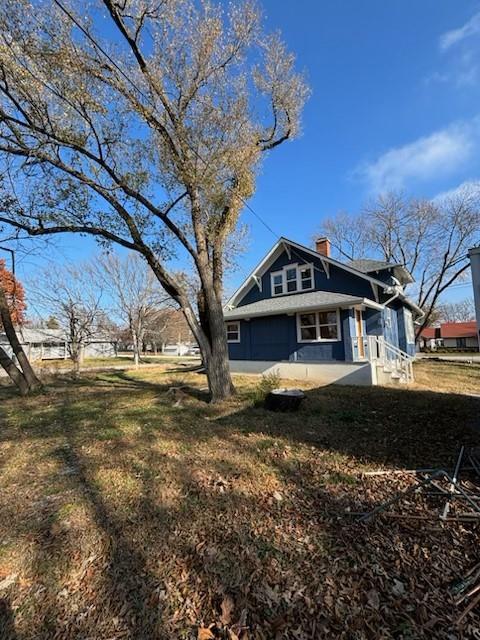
(377, 349)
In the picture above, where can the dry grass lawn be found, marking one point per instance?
(125, 516)
(452, 377)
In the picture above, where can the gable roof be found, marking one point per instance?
(285, 244)
(298, 302)
(365, 265)
(273, 254)
(458, 330)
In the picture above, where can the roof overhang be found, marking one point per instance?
(242, 313)
(284, 244)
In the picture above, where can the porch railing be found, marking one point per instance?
(376, 349)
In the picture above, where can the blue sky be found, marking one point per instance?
(395, 104)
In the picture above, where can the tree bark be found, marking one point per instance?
(31, 379)
(136, 350)
(13, 372)
(216, 361)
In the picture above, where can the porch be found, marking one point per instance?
(391, 363)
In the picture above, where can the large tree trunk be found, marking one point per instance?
(209, 331)
(31, 379)
(13, 372)
(216, 361)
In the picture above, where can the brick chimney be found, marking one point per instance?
(322, 245)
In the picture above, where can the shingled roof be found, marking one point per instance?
(294, 303)
(368, 266)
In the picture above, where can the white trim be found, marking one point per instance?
(325, 265)
(281, 244)
(236, 322)
(408, 326)
(258, 282)
(366, 302)
(318, 325)
(298, 279)
(286, 247)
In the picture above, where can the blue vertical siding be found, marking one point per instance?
(390, 326)
(373, 322)
(340, 281)
(403, 319)
(274, 338)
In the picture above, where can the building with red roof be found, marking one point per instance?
(451, 335)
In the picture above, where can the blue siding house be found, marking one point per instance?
(305, 314)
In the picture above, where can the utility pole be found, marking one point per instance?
(474, 255)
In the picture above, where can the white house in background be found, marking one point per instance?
(52, 344)
(179, 349)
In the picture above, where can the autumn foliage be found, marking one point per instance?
(14, 292)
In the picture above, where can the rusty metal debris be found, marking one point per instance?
(457, 491)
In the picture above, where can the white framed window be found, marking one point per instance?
(233, 331)
(306, 277)
(292, 279)
(319, 326)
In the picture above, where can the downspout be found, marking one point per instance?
(394, 297)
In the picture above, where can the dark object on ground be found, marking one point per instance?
(284, 400)
(454, 490)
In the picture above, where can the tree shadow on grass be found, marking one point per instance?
(222, 538)
(407, 428)
(7, 624)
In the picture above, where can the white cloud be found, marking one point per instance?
(453, 37)
(468, 188)
(430, 157)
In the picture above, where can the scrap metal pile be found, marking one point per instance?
(460, 491)
(445, 497)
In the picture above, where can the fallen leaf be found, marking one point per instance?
(227, 606)
(204, 634)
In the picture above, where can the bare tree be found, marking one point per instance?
(346, 234)
(134, 293)
(430, 238)
(69, 294)
(167, 326)
(150, 139)
(461, 311)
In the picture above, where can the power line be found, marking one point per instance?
(195, 151)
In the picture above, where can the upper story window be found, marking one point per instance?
(292, 278)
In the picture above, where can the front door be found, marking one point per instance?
(359, 326)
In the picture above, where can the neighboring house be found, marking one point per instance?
(303, 314)
(429, 338)
(455, 336)
(459, 335)
(52, 344)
